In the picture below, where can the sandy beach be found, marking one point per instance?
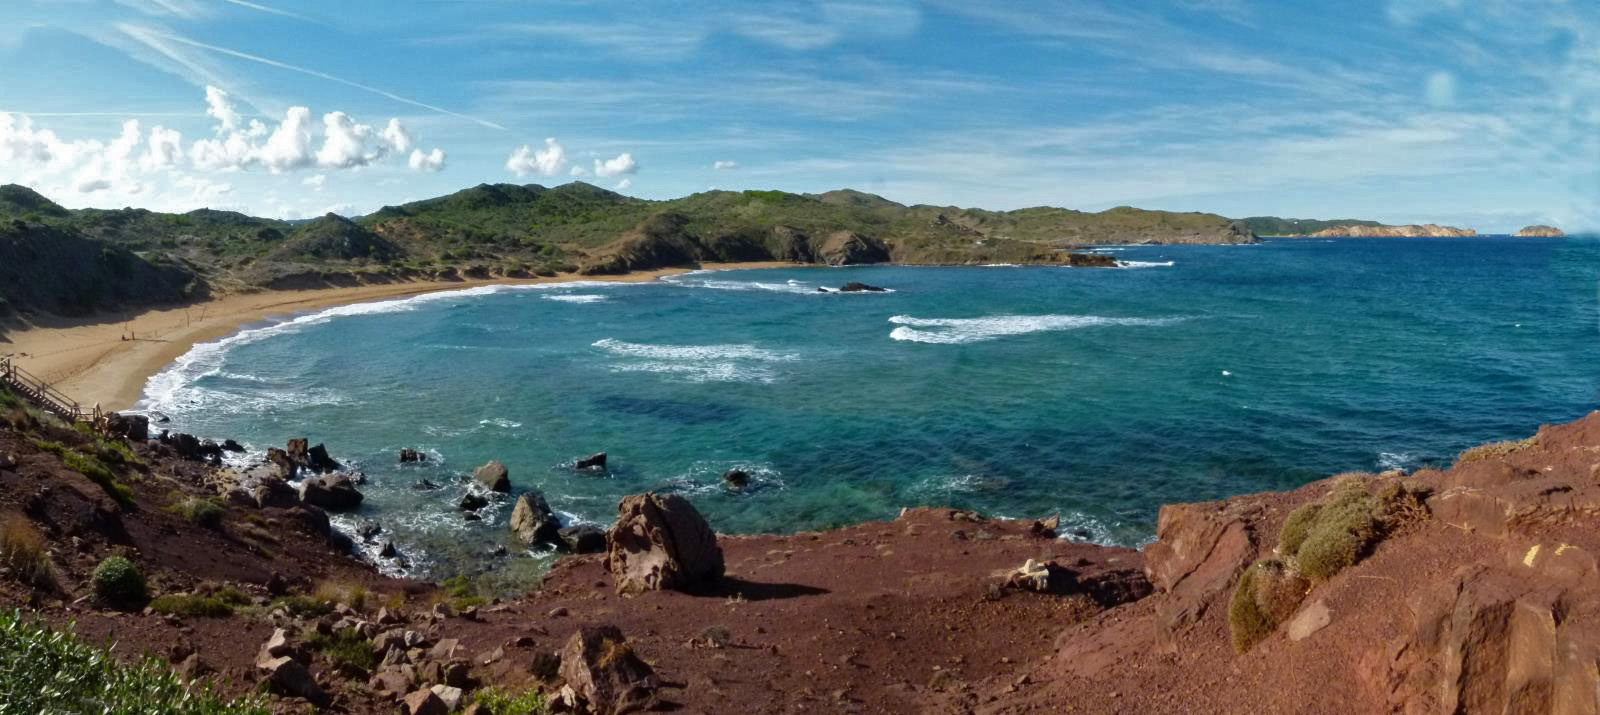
(107, 359)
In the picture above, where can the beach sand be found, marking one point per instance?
(93, 360)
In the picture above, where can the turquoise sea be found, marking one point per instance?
(1193, 373)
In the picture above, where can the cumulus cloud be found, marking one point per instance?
(316, 182)
(620, 164)
(396, 136)
(431, 161)
(725, 165)
(218, 107)
(579, 171)
(624, 184)
(165, 149)
(547, 161)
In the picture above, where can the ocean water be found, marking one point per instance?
(1195, 372)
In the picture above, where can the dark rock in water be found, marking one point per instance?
(335, 493)
(605, 675)
(411, 455)
(736, 478)
(854, 287)
(424, 486)
(189, 446)
(1091, 260)
(532, 521)
(131, 427)
(596, 461)
(583, 539)
(229, 445)
(472, 516)
(473, 502)
(388, 551)
(493, 476)
(660, 542)
(368, 530)
(296, 450)
(319, 461)
(286, 466)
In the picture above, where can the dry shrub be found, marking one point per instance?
(22, 549)
(1495, 450)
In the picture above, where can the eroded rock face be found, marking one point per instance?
(493, 476)
(660, 542)
(846, 248)
(1199, 551)
(603, 673)
(532, 521)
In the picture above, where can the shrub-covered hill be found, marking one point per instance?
(511, 230)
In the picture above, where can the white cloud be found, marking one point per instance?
(397, 137)
(620, 164)
(316, 182)
(624, 184)
(725, 165)
(1440, 89)
(289, 147)
(20, 143)
(579, 171)
(165, 149)
(431, 161)
(547, 161)
(219, 108)
(347, 144)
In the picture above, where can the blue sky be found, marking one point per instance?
(1478, 113)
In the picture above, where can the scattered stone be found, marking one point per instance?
(736, 478)
(532, 520)
(493, 476)
(1045, 528)
(425, 702)
(1311, 619)
(857, 287)
(583, 539)
(660, 542)
(1038, 577)
(449, 695)
(192, 667)
(603, 672)
(277, 646)
(335, 493)
(557, 612)
(290, 677)
(595, 462)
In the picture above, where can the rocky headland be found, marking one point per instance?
(1427, 230)
(1469, 589)
(1539, 231)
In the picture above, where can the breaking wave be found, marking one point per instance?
(953, 331)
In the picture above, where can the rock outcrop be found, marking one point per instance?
(603, 675)
(333, 492)
(1427, 230)
(847, 248)
(493, 476)
(1540, 231)
(660, 542)
(532, 521)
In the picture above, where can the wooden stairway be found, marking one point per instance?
(40, 393)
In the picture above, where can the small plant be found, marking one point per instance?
(202, 512)
(1295, 526)
(48, 671)
(462, 592)
(1345, 527)
(119, 581)
(1496, 449)
(352, 595)
(191, 605)
(347, 649)
(1268, 592)
(500, 701)
(22, 549)
(302, 606)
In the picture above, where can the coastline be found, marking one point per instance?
(90, 360)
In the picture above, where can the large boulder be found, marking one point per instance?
(493, 476)
(660, 542)
(1199, 551)
(594, 462)
(334, 493)
(131, 427)
(603, 675)
(318, 460)
(532, 521)
(858, 287)
(583, 539)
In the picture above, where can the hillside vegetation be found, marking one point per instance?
(98, 258)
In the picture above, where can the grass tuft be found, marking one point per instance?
(347, 649)
(23, 550)
(1496, 449)
(47, 671)
(335, 592)
(1268, 592)
(192, 605)
(500, 701)
(202, 512)
(1296, 526)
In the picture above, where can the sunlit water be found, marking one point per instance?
(1196, 372)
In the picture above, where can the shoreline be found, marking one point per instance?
(92, 360)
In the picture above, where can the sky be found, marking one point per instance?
(1475, 113)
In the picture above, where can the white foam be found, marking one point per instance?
(500, 422)
(1144, 264)
(1396, 460)
(691, 352)
(701, 372)
(577, 298)
(953, 331)
(172, 389)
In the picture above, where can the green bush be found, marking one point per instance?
(118, 580)
(202, 512)
(1247, 623)
(193, 606)
(46, 671)
(1268, 593)
(1345, 527)
(499, 701)
(347, 649)
(303, 606)
(1295, 526)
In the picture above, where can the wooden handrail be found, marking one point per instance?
(40, 392)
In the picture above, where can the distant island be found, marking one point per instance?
(1540, 231)
(1427, 230)
(64, 261)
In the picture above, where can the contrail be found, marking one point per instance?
(314, 73)
(273, 10)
